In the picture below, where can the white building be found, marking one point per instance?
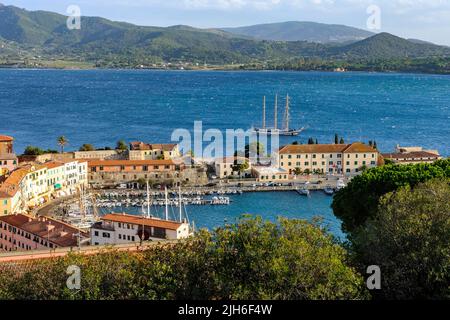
(64, 178)
(122, 229)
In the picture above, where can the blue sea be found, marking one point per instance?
(103, 106)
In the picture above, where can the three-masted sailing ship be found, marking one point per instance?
(285, 130)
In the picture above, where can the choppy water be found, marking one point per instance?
(104, 106)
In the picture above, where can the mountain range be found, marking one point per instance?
(302, 31)
(42, 36)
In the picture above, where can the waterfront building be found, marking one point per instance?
(123, 228)
(143, 151)
(270, 174)
(347, 159)
(66, 177)
(412, 155)
(116, 172)
(8, 159)
(19, 232)
(34, 188)
(226, 167)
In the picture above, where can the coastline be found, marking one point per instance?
(219, 69)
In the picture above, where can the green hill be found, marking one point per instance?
(34, 38)
(302, 31)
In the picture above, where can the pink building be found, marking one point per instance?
(20, 232)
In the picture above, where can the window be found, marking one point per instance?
(96, 233)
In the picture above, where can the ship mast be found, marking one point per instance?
(181, 205)
(276, 112)
(148, 200)
(167, 204)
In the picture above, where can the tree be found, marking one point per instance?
(33, 151)
(336, 138)
(317, 141)
(62, 142)
(295, 143)
(249, 260)
(240, 166)
(409, 240)
(87, 147)
(342, 141)
(254, 149)
(298, 171)
(121, 145)
(359, 200)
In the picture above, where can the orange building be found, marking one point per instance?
(114, 172)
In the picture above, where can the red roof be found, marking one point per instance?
(138, 220)
(61, 234)
(6, 139)
(356, 147)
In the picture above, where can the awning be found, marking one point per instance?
(57, 186)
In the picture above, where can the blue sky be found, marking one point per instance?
(422, 19)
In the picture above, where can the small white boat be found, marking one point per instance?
(329, 191)
(304, 192)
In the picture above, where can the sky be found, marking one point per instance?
(419, 19)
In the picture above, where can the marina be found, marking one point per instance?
(206, 207)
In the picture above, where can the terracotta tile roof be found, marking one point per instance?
(53, 164)
(411, 155)
(105, 163)
(326, 148)
(6, 139)
(11, 185)
(359, 147)
(138, 220)
(138, 145)
(61, 234)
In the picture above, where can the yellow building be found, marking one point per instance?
(144, 151)
(348, 159)
(11, 200)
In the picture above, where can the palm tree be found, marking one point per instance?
(62, 141)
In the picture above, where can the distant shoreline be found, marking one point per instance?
(219, 69)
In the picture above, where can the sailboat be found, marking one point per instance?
(286, 130)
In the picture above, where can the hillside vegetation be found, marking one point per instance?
(37, 38)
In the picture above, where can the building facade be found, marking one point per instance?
(115, 172)
(101, 155)
(412, 155)
(122, 229)
(8, 159)
(346, 159)
(226, 167)
(144, 151)
(20, 232)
